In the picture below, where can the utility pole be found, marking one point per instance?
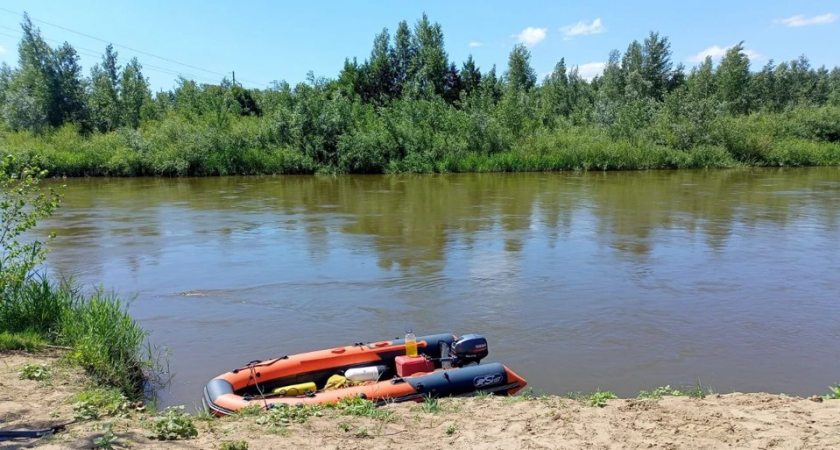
(234, 78)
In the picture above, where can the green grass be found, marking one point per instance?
(29, 341)
(430, 405)
(250, 411)
(362, 432)
(105, 340)
(697, 390)
(357, 406)
(451, 429)
(234, 445)
(483, 395)
(35, 372)
(835, 392)
(658, 393)
(108, 440)
(103, 401)
(172, 424)
(598, 398)
(283, 414)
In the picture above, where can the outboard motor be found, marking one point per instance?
(467, 350)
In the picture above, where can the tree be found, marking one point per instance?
(104, 97)
(804, 80)
(763, 88)
(783, 86)
(22, 111)
(6, 75)
(403, 53)
(657, 66)
(430, 62)
(491, 86)
(135, 94)
(69, 92)
(610, 90)
(378, 72)
(733, 78)
(470, 77)
(611, 83)
(633, 60)
(52, 77)
(454, 85)
(520, 76)
(822, 87)
(834, 87)
(22, 204)
(557, 92)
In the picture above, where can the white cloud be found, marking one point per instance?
(589, 71)
(531, 36)
(717, 52)
(476, 44)
(800, 20)
(582, 28)
(2, 50)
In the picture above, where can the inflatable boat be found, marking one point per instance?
(445, 365)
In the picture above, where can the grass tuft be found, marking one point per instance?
(697, 390)
(234, 445)
(835, 392)
(357, 406)
(105, 340)
(451, 429)
(282, 414)
(430, 405)
(29, 341)
(35, 372)
(598, 398)
(172, 424)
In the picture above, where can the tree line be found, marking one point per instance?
(408, 107)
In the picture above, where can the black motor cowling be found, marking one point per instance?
(468, 349)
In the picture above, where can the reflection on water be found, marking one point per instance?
(616, 280)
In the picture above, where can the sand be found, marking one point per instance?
(736, 420)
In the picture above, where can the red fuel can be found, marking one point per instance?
(407, 366)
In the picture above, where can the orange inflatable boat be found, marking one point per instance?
(446, 365)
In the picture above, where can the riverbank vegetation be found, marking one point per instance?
(409, 108)
(36, 312)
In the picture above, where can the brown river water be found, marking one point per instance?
(622, 280)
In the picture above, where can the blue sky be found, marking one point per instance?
(265, 41)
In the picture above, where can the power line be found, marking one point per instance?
(127, 47)
(89, 52)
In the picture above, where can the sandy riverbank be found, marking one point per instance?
(744, 421)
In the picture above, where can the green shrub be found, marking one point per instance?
(234, 445)
(36, 372)
(172, 424)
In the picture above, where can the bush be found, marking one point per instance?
(34, 310)
(172, 424)
(36, 372)
(815, 124)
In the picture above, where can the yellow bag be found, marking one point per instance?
(335, 382)
(339, 381)
(295, 389)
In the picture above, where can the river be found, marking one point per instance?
(619, 280)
